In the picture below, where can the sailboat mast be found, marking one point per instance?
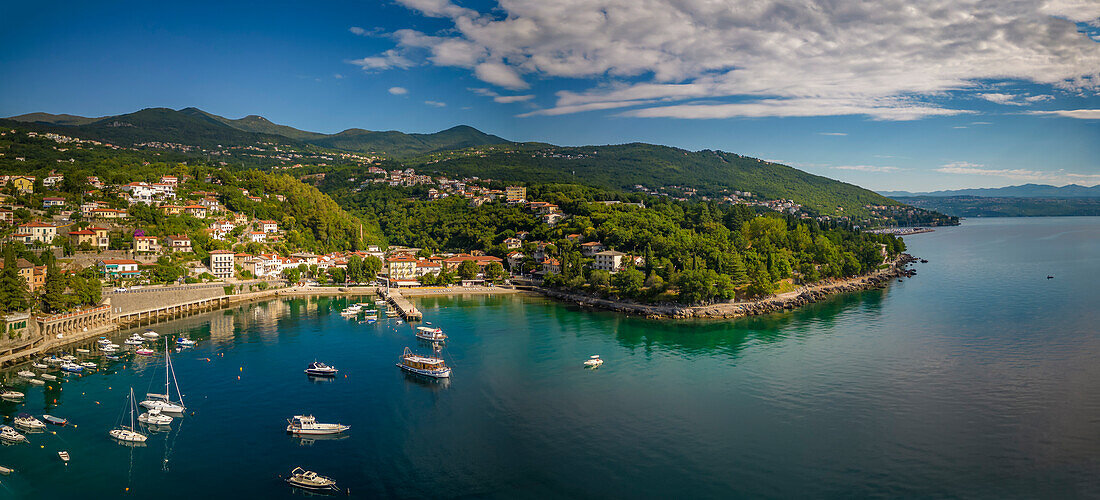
(174, 381)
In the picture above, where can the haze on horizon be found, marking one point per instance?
(889, 95)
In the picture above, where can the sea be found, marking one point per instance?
(979, 377)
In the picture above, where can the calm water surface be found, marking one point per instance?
(977, 378)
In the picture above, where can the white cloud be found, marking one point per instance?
(435, 103)
(1081, 114)
(513, 98)
(773, 57)
(483, 92)
(355, 30)
(388, 59)
(398, 90)
(981, 123)
(868, 168)
(338, 76)
(1059, 177)
(1013, 99)
(832, 133)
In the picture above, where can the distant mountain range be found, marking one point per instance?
(193, 126)
(712, 173)
(1022, 191)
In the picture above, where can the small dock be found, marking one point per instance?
(405, 308)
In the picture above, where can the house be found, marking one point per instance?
(95, 182)
(221, 263)
(551, 265)
(211, 204)
(34, 276)
(515, 194)
(179, 243)
(575, 238)
(24, 184)
(269, 226)
(515, 259)
(78, 238)
(53, 180)
(592, 248)
(554, 218)
(424, 267)
(257, 236)
(512, 243)
(53, 202)
(109, 213)
(7, 216)
(39, 231)
(118, 268)
(451, 264)
(609, 260)
(401, 267)
(146, 244)
(197, 211)
(102, 237)
(171, 209)
(169, 179)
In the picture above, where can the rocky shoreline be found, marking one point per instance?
(776, 303)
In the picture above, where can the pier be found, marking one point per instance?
(404, 307)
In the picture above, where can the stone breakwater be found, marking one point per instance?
(786, 301)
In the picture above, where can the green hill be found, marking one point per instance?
(402, 145)
(52, 119)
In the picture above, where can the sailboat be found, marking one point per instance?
(128, 434)
(163, 402)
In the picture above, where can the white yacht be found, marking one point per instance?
(12, 395)
(154, 417)
(26, 374)
(151, 335)
(27, 421)
(307, 425)
(9, 434)
(430, 334)
(309, 480)
(49, 376)
(593, 361)
(40, 366)
(128, 434)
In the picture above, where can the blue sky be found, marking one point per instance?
(892, 94)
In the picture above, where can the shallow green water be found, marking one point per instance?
(978, 377)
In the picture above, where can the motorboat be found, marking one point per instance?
(154, 417)
(53, 360)
(151, 335)
(63, 455)
(68, 357)
(430, 334)
(71, 367)
(309, 480)
(55, 420)
(128, 434)
(49, 376)
(6, 470)
(34, 381)
(593, 361)
(423, 365)
(27, 421)
(163, 402)
(320, 369)
(88, 364)
(40, 366)
(12, 395)
(9, 434)
(307, 425)
(182, 342)
(145, 351)
(112, 358)
(26, 374)
(83, 351)
(133, 342)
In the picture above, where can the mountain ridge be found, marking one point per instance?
(1021, 191)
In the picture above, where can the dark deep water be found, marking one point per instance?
(977, 378)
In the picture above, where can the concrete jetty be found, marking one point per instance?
(403, 306)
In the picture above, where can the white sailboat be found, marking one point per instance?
(163, 402)
(154, 417)
(128, 434)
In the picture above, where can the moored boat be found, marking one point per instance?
(71, 367)
(320, 369)
(128, 434)
(424, 365)
(307, 479)
(40, 366)
(34, 381)
(150, 334)
(308, 425)
(55, 420)
(26, 374)
(12, 395)
(9, 434)
(88, 364)
(133, 342)
(83, 351)
(593, 361)
(163, 402)
(63, 455)
(182, 342)
(27, 421)
(49, 376)
(430, 334)
(6, 470)
(154, 417)
(145, 351)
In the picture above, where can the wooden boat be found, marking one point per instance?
(423, 365)
(55, 420)
(309, 480)
(64, 455)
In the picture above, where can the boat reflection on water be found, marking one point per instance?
(426, 381)
(320, 380)
(132, 444)
(310, 440)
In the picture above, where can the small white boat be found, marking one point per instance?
(68, 357)
(593, 361)
(88, 364)
(83, 351)
(133, 342)
(182, 342)
(128, 434)
(9, 434)
(53, 360)
(320, 369)
(307, 425)
(309, 480)
(26, 374)
(154, 417)
(34, 381)
(423, 365)
(430, 334)
(64, 455)
(40, 366)
(55, 420)
(11, 395)
(49, 376)
(6, 470)
(145, 351)
(27, 421)
(71, 367)
(151, 335)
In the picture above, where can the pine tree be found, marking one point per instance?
(53, 300)
(13, 288)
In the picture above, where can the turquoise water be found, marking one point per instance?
(978, 377)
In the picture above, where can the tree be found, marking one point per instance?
(629, 281)
(599, 278)
(371, 266)
(292, 274)
(53, 300)
(338, 274)
(13, 288)
(494, 271)
(467, 270)
(355, 269)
